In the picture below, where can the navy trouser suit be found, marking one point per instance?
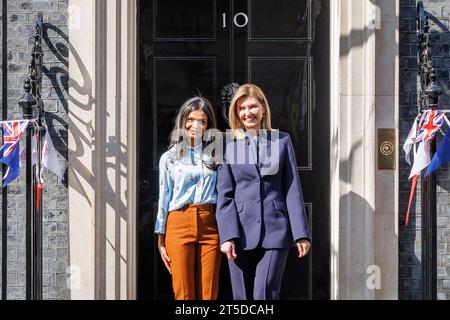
(260, 206)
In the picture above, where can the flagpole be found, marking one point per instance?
(4, 230)
(428, 99)
(27, 102)
(429, 215)
(36, 76)
(31, 104)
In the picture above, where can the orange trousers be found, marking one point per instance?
(192, 244)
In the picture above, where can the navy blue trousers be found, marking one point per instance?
(256, 274)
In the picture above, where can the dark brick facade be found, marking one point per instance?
(410, 270)
(21, 17)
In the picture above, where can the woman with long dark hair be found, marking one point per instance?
(188, 238)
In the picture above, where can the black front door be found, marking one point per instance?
(189, 47)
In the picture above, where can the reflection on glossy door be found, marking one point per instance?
(189, 47)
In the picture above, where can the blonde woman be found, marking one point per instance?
(260, 208)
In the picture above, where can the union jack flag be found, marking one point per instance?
(9, 152)
(431, 122)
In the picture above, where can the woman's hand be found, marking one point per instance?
(162, 250)
(228, 248)
(303, 247)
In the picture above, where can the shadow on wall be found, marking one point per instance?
(102, 147)
(362, 221)
(358, 37)
(60, 80)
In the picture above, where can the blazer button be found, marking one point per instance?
(258, 220)
(257, 179)
(258, 200)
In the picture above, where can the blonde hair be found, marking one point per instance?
(243, 92)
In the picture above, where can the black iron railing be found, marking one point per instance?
(33, 108)
(428, 98)
(4, 117)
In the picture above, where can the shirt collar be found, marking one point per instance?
(195, 149)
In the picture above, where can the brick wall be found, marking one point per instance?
(410, 283)
(21, 17)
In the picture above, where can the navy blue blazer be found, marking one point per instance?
(260, 202)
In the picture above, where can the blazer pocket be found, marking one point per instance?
(280, 206)
(239, 207)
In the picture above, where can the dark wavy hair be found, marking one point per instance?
(178, 132)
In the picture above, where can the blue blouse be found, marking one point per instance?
(183, 181)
